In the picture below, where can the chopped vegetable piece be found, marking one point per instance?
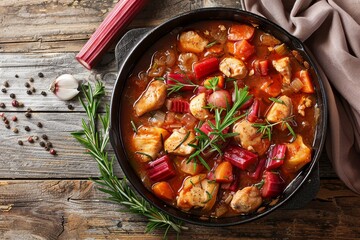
(247, 104)
(254, 111)
(218, 81)
(240, 157)
(306, 80)
(243, 49)
(207, 129)
(273, 185)
(224, 173)
(262, 67)
(186, 79)
(298, 155)
(163, 190)
(206, 67)
(191, 167)
(257, 174)
(276, 156)
(161, 169)
(241, 32)
(178, 105)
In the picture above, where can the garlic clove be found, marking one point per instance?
(65, 87)
(66, 94)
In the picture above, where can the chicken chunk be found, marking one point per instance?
(250, 138)
(153, 98)
(178, 142)
(197, 107)
(148, 140)
(280, 110)
(297, 155)
(233, 67)
(283, 66)
(246, 200)
(305, 102)
(198, 192)
(191, 41)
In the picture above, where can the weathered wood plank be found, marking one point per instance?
(64, 25)
(75, 209)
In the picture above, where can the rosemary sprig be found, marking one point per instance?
(216, 136)
(211, 44)
(267, 127)
(133, 126)
(177, 86)
(212, 83)
(95, 141)
(276, 100)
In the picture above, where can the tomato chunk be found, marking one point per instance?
(241, 32)
(243, 49)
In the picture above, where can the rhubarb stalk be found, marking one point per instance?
(109, 30)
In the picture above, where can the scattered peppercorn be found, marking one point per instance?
(42, 144)
(43, 93)
(4, 118)
(6, 84)
(41, 75)
(30, 140)
(49, 145)
(27, 84)
(14, 118)
(29, 109)
(15, 130)
(27, 128)
(12, 95)
(29, 92)
(31, 80)
(17, 76)
(52, 151)
(33, 89)
(39, 124)
(20, 143)
(4, 90)
(6, 121)
(47, 149)
(70, 107)
(15, 103)
(45, 137)
(7, 126)
(36, 138)
(2, 105)
(21, 104)
(28, 114)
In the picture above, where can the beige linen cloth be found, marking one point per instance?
(331, 30)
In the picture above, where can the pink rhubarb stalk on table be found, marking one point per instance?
(109, 30)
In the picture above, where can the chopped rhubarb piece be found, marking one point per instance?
(261, 67)
(257, 174)
(161, 169)
(276, 157)
(206, 128)
(254, 111)
(109, 30)
(273, 185)
(186, 79)
(235, 183)
(240, 157)
(206, 67)
(243, 49)
(241, 32)
(178, 105)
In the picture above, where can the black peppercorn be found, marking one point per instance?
(39, 124)
(6, 121)
(43, 93)
(6, 84)
(31, 80)
(29, 109)
(29, 92)
(49, 144)
(70, 107)
(28, 114)
(20, 143)
(27, 84)
(33, 89)
(17, 76)
(42, 144)
(2, 105)
(12, 95)
(15, 130)
(41, 75)
(7, 126)
(4, 90)
(27, 128)
(45, 137)
(47, 149)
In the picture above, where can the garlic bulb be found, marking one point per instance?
(65, 87)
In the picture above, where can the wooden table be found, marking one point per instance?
(50, 197)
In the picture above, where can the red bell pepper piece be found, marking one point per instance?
(243, 49)
(178, 105)
(254, 111)
(240, 157)
(276, 157)
(187, 79)
(161, 169)
(273, 185)
(257, 174)
(206, 67)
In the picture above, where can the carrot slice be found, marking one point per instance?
(241, 32)
(306, 80)
(224, 173)
(163, 190)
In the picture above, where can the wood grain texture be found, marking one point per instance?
(72, 209)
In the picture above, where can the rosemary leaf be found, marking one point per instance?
(133, 126)
(211, 44)
(277, 100)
